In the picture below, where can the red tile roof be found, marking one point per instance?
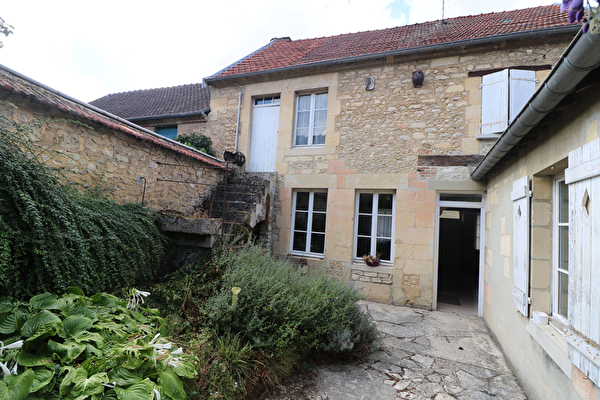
(21, 85)
(281, 53)
(174, 100)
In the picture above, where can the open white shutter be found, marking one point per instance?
(520, 199)
(494, 102)
(583, 332)
(521, 88)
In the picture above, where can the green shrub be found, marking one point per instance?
(278, 307)
(197, 141)
(53, 237)
(77, 347)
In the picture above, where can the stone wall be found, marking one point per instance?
(373, 141)
(130, 169)
(221, 123)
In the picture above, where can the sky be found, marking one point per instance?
(88, 49)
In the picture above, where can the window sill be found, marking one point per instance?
(489, 136)
(384, 269)
(553, 343)
(308, 256)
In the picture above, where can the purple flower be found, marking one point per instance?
(586, 25)
(575, 10)
(565, 5)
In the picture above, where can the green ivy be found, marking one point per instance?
(53, 237)
(197, 141)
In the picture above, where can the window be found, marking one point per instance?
(265, 101)
(311, 118)
(374, 223)
(560, 249)
(503, 95)
(167, 131)
(308, 223)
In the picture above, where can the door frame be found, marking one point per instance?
(460, 204)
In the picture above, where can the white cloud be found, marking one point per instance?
(90, 49)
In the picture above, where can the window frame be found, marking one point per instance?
(374, 212)
(309, 230)
(556, 264)
(312, 110)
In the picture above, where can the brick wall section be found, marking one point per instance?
(115, 160)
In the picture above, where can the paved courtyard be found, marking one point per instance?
(424, 355)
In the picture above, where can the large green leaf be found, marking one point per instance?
(41, 324)
(43, 376)
(124, 376)
(171, 384)
(30, 360)
(76, 324)
(75, 290)
(73, 375)
(8, 323)
(104, 300)
(45, 301)
(90, 386)
(16, 387)
(140, 391)
(67, 351)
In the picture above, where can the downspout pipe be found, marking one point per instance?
(581, 57)
(237, 124)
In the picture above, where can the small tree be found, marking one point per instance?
(197, 141)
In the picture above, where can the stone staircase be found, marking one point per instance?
(246, 198)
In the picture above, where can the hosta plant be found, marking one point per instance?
(78, 347)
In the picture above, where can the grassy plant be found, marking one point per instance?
(278, 307)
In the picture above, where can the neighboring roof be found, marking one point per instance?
(157, 103)
(581, 57)
(19, 84)
(284, 53)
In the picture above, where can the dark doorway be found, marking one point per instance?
(458, 260)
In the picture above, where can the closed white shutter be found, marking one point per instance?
(494, 102)
(521, 88)
(520, 199)
(583, 332)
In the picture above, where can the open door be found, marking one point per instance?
(459, 258)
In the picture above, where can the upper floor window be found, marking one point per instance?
(267, 101)
(308, 223)
(167, 131)
(311, 119)
(374, 226)
(503, 95)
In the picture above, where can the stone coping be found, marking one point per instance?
(381, 269)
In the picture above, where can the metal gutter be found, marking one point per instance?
(581, 57)
(109, 115)
(186, 114)
(569, 29)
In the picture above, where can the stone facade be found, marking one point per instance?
(130, 169)
(373, 142)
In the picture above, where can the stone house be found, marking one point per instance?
(169, 111)
(371, 136)
(541, 274)
(95, 147)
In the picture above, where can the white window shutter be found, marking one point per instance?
(494, 102)
(521, 88)
(583, 332)
(520, 199)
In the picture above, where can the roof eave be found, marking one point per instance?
(581, 57)
(567, 29)
(202, 112)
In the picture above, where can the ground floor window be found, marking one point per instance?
(560, 249)
(308, 222)
(374, 223)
